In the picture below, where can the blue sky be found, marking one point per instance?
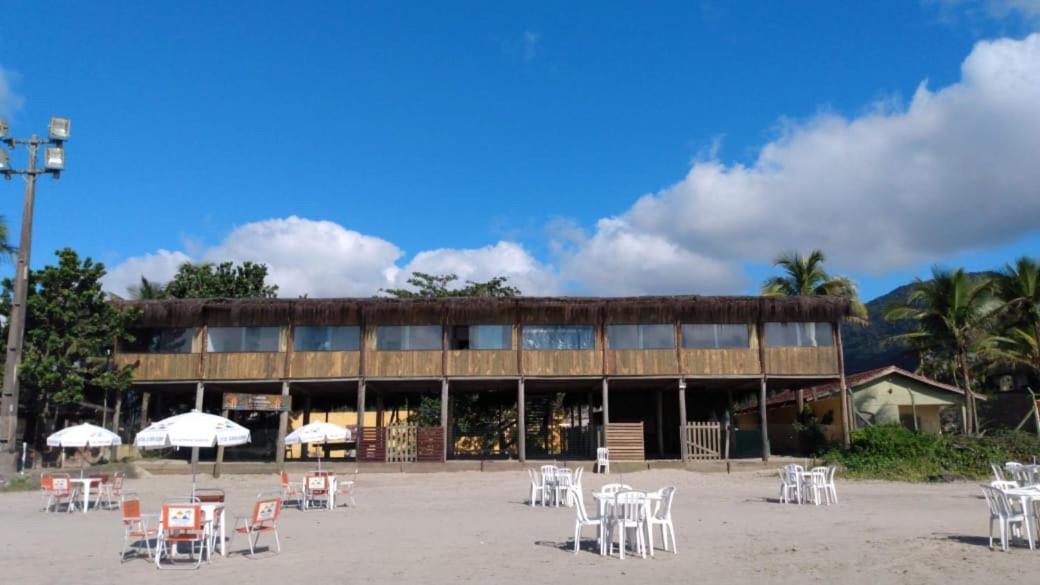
(349, 144)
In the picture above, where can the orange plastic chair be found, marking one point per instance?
(136, 526)
(181, 524)
(263, 519)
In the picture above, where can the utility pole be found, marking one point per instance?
(54, 163)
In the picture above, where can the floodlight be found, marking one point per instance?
(5, 162)
(54, 158)
(3, 128)
(59, 128)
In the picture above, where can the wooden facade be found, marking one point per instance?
(431, 365)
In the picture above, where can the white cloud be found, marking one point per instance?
(324, 259)
(954, 170)
(10, 102)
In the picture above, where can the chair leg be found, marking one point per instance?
(671, 531)
(577, 536)
(991, 532)
(277, 541)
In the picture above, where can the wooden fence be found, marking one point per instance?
(625, 441)
(703, 441)
(371, 444)
(430, 444)
(401, 443)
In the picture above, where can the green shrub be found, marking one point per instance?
(893, 452)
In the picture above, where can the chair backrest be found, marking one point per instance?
(629, 506)
(664, 511)
(60, 484)
(266, 511)
(602, 455)
(577, 476)
(317, 482)
(548, 472)
(131, 507)
(613, 488)
(533, 477)
(579, 504)
(117, 480)
(46, 482)
(1003, 485)
(285, 478)
(991, 500)
(209, 495)
(564, 477)
(182, 517)
(997, 474)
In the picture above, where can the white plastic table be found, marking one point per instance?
(604, 499)
(86, 482)
(209, 511)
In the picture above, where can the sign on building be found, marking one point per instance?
(239, 401)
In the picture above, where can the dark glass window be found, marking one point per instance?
(549, 337)
(159, 340)
(482, 337)
(235, 339)
(408, 337)
(327, 338)
(799, 335)
(716, 336)
(641, 336)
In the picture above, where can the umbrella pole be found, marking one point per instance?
(194, 463)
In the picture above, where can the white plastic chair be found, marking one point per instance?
(548, 481)
(583, 519)
(790, 484)
(602, 460)
(628, 513)
(577, 477)
(662, 517)
(1012, 522)
(537, 488)
(562, 486)
(998, 475)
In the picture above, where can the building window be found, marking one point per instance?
(799, 335)
(482, 337)
(156, 340)
(327, 338)
(235, 339)
(549, 337)
(408, 337)
(716, 336)
(642, 336)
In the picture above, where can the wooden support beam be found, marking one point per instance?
(763, 419)
(444, 418)
(200, 389)
(606, 410)
(360, 405)
(521, 422)
(220, 450)
(283, 424)
(846, 397)
(146, 398)
(683, 449)
(660, 423)
(305, 450)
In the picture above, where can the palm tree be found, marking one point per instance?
(1018, 286)
(805, 276)
(950, 312)
(147, 290)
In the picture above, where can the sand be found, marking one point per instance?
(471, 527)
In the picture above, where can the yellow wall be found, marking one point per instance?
(881, 401)
(343, 419)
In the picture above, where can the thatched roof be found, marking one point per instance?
(589, 310)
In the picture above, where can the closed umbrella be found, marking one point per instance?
(318, 432)
(83, 436)
(192, 429)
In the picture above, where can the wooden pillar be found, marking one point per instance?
(762, 419)
(606, 410)
(146, 398)
(660, 423)
(360, 405)
(683, 450)
(220, 450)
(521, 422)
(799, 401)
(729, 421)
(846, 398)
(283, 425)
(444, 418)
(200, 389)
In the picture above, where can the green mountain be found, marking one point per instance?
(867, 346)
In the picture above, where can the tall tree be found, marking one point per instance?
(806, 276)
(950, 314)
(69, 330)
(439, 285)
(224, 280)
(6, 249)
(148, 290)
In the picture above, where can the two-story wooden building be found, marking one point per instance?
(430, 379)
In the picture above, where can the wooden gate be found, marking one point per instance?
(401, 443)
(371, 444)
(430, 444)
(625, 441)
(703, 441)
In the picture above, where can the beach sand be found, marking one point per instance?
(472, 527)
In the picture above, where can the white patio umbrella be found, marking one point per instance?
(83, 436)
(318, 432)
(192, 429)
